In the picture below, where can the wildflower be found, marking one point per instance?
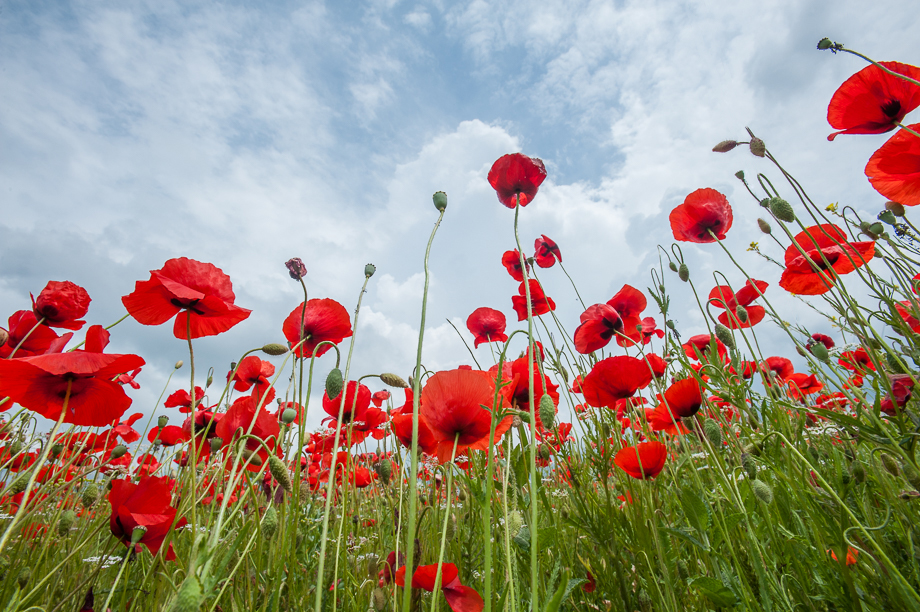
(60, 304)
(599, 323)
(629, 302)
(723, 297)
(355, 407)
(516, 178)
(512, 262)
(253, 373)
(460, 598)
(540, 304)
(873, 101)
(487, 325)
(143, 505)
(894, 170)
(643, 461)
(615, 378)
(703, 211)
(323, 320)
(30, 337)
(182, 399)
(825, 247)
(547, 252)
(246, 416)
(296, 268)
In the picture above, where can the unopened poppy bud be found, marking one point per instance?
(544, 452)
(252, 457)
(56, 450)
(380, 600)
(90, 495)
(742, 313)
(384, 470)
(896, 208)
(723, 334)
(178, 364)
(749, 465)
(762, 491)
(189, 597)
(524, 416)
(19, 485)
(758, 147)
(547, 411)
(4, 336)
(440, 200)
(669, 324)
(894, 364)
(713, 433)
(270, 522)
(683, 272)
(411, 382)
(725, 146)
(280, 472)
(888, 217)
(824, 44)
(288, 416)
(68, 517)
(673, 266)
(24, 577)
(912, 476)
(605, 428)
(296, 268)
(393, 380)
(782, 210)
(858, 472)
(274, 349)
(216, 443)
(739, 175)
(451, 530)
(209, 382)
(119, 451)
(683, 570)
(334, 383)
(369, 270)
(138, 534)
(162, 421)
(891, 465)
(764, 226)
(819, 351)
(515, 522)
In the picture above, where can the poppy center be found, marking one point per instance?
(892, 108)
(187, 304)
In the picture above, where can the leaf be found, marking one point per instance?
(686, 536)
(522, 539)
(695, 509)
(553, 604)
(719, 594)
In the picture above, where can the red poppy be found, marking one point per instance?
(170, 435)
(590, 585)
(826, 340)
(487, 325)
(201, 290)
(661, 419)
(519, 390)
(647, 329)
(699, 347)
(704, 211)
(872, 101)
(540, 304)
(254, 372)
(547, 252)
(40, 383)
(644, 460)
(902, 386)
(460, 598)
(723, 297)
(182, 399)
(516, 177)
(906, 310)
(780, 367)
(512, 262)
(599, 323)
(244, 416)
(684, 398)
(615, 378)
(801, 385)
(894, 170)
(657, 364)
(60, 304)
(31, 337)
(324, 320)
(629, 302)
(145, 504)
(125, 429)
(856, 361)
(354, 407)
(825, 247)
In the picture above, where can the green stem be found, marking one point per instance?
(450, 481)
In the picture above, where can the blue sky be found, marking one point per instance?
(244, 134)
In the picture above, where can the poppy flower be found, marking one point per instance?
(30, 336)
(657, 364)
(856, 361)
(540, 304)
(825, 248)
(354, 407)
(144, 504)
(40, 384)
(401, 423)
(254, 372)
(872, 101)
(125, 429)
(852, 553)
(647, 329)
(902, 386)
(723, 297)
(894, 170)
(182, 399)
(643, 461)
(801, 385)
(699, 347)
(323, 320)
(547, 252)
(906, 309)
(512, 262)
(599, 323)
(780, 367)
(516, 178)
(199, 290)
(703, 211)
(487, 325)
(244, 416)
(629, 302)
(60, 304)
(460, 598)
(684, 398)
(615, 378)
(170, 435)
(519, 389)
(824, 339)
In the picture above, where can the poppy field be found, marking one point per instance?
(611, 463)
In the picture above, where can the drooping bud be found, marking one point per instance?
(380, 600)
(288, 416)
(896, 208)
(545, 452)
(725, 335)
(713, 433)
(4, 336)
(762, 491)
(451, 527)
(393, 380)
(824, 44)
(673, 266)
(742, 313)
(819, 351)
(189, 597)
(280, 472)
(891, 465)
(758, 147)
(912, 476)
(725, 146)
(523, 416)
(216, 443)
(209, 381)
(384, 470)
(894, 364)
(119, 451)
(858, 471)
(252, 457)
(645, 602)
(764, 226)
(440, 200)
(19, 485)
(296, 268)
(683, 272)
(547, 411)
(274, 349)
(178, 364)
(782, 210)
(56, 450)
(90, 495)
(334, 383)
(270, 522)
(749, 465)
(801, 351)
(68, 517)
(369, 270)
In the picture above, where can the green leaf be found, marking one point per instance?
(686, 536)
(553, 604)
(719, 594)
(695, 509)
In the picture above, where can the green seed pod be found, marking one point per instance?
(763, 491)
(888, 217)
(380, 599)
(758, 147)
(819, 351)
(858, 471)
(119, 451)
(515, 522)
(723, 334)
(56, 450)
(545, 452)
(288, 416)
(524, 416)
(90, 495)
(782, 210)
(68, 517)
(877, 228)
(846, 478)
(270, 522)
(19, 485)
(764, 226)
(275, 349)
(896, 208)
(547, 411)
(739, 175)
(440, 200)
(891, 465)
(866, 229)
(393, 380)
(824, 44)
(384, 470)
(725, 146)
(369, 270)
(189, 597)
(334, 383)
(673, 266)
(749, 465)
(669, 324)
(683, 272)
(280, 472)
(742, 313)
(24, 577)
(912, 476)
(216, 443)
(713, 433)
(162, 421)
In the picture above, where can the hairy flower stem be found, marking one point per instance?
(416, 402)
(450, 482)
(193, 447)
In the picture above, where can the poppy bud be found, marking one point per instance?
(824, 44)
(605, 428)
(544, 452)
(209, 381)
(782, 210)
(288, 416)
(683, 570)
(713, 433)
(725, 146)
(891, 465)
(189, 597)
(547, 411)
(762, 491)
(19, 485)
(56, 450)
(270, 522)
(440, 200)
(384, 470)
(764, 226)
(673, 266)
(723, 334)
(369, 270)
(819, 351)
(524, 416)
(750, 467)
(893, 364)
(280, 472)
(162, 421)
(461, 493)
(274, 349)
(670, 324)
(801, 351)
(251, 457)
(515, 522)
(90, 495)
(138, 534)
(451, 528)
(4, 336)
(516, 421)
(858, 472)
(411, 382)
(912, 476)
(178, 364)
(25, 575)
(758, 147)
(741, 313)
(334, 383)
(896, 208)
(119, 451)
(866, 229)
(739, 175)
(305, 492)
(393, 380)
(296, 268)
(645, 602)
(216, 443)
(683, 272)
(888, 217)
(67, 520)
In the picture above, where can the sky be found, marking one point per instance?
(244, 134)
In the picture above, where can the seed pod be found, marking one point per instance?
(888, 217)
(68, 517)
(216, 444)
(380, 600)
(515, 522)
(369, 270)
(801, 351)
(763, 491)
(824, 44)
(819, 351)
(393, 380)
(891, 465)
(162, 421)
(270, 522)
(119, 451)
(673, 266)
(725, 146)
(758, 147)
(516, 420)
(19, 485)
(782, 210)
(896, 208)
(544, 452)
(866, 229)
(524, 416)
(305, 492)
(334, 383)
(251, 457)
(451, 528)
(288, 416)
(669, 324)
(384, 470)
(280, 473)
(683, 272)
(713, 433)
(373, 566)
(440, 200)
(189, 597)
(749, 465)
(858, 471)
(742, 313)
(739, 175)
(547, 411)
(90, 495)
(723, 334)
(275, 349)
